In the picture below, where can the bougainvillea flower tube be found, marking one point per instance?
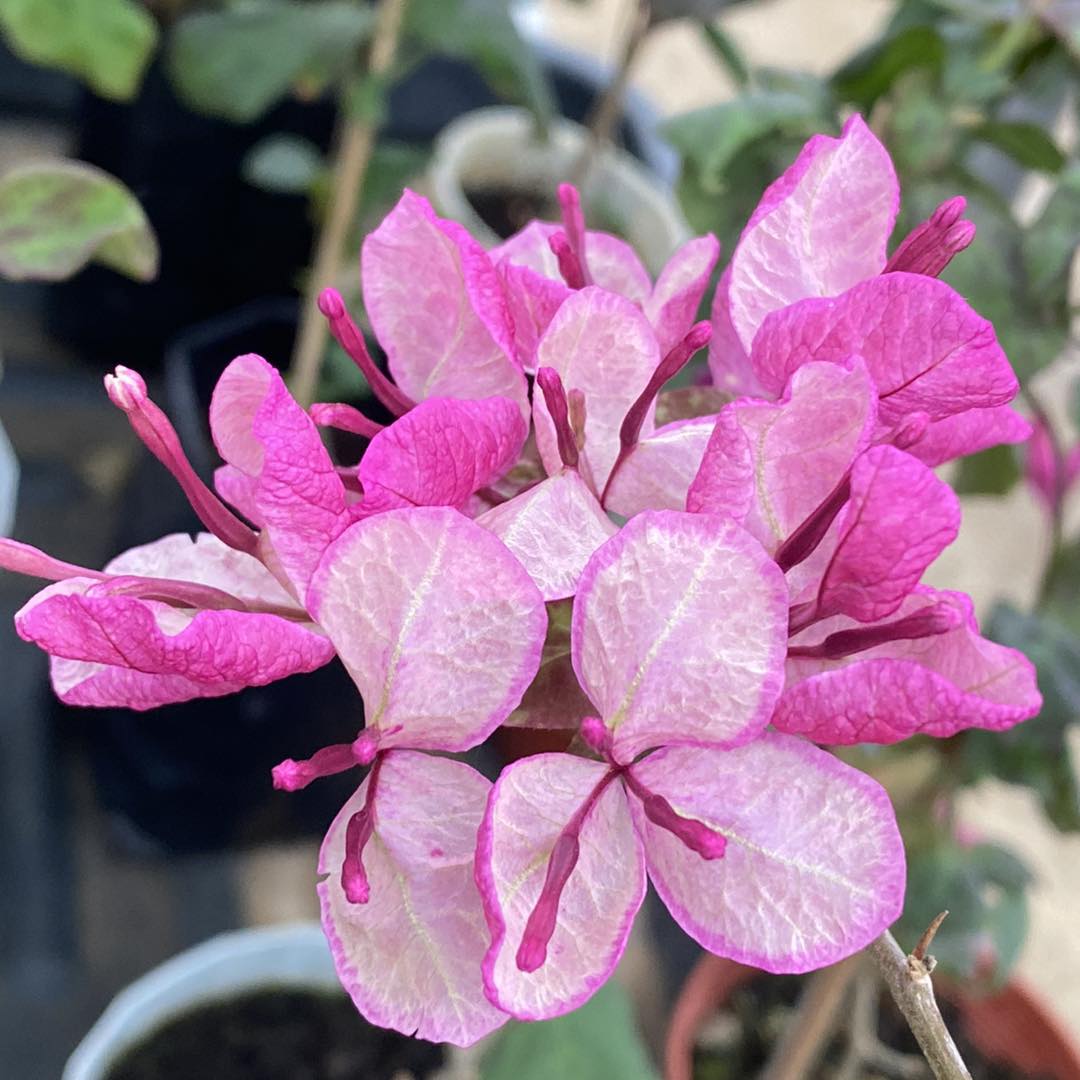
(679, 630)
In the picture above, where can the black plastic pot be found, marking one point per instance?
(223, 241)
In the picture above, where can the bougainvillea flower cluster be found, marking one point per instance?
(707, 587)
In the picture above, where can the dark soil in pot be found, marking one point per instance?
(276, 1033)
(737, 1043)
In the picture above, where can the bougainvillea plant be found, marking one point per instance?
(709, 586)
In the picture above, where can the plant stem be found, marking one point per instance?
(356, 141)
(815, 1019)
(864, 1047)
(908, 980)
(605, 113)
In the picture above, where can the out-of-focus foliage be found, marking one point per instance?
(238, 62)
(599, 1039)
(56, 216)
(106, 43)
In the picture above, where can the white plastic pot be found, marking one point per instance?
(9, 483)
(294, 955)
(499, 148)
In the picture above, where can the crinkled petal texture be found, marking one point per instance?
(126, 651)
(899, 518)
(439, 625)
(530, 804)
(410, 957)
(239, 491)
(532, 300)
(968, 433)
(672, 307)
(444, 450)
(553, 529)
(785, 458)
(935, 685)
(602, 344)
(926, 348)
(814, 865)
(729, 361)
(612, 263)
(819, 228)
(657, 473)
(680, 632)
(438, 308)
(298, 496)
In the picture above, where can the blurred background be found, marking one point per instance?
(211, 132)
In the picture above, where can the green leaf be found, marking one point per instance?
(483, 32)
(1048, 246)
(872, 72)
(56, 216)
(990, 472)
(598, 1040)
(715, 135)
(727, 52)
(1036, 752)
(106, 43)
(983, 887)
(283, 164)
(238, 62)
(1027, 144)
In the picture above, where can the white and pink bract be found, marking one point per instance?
(709, 586)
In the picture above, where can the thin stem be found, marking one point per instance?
(815, 1020)
(605, 113)
(908, 980)
(356, 142)
(864, 1047)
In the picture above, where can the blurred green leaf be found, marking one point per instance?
(983, 887)
(1048, 246)
(1035, 753)
(56, 216)
(922, 138)
(283, 164)
(238, 62)
(872, 72)
(106, 43)
(483, 32)
(727, 52)
(990, 472)
(714, 136)
(1027, 144)
(598, 1040)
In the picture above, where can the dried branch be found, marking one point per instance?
(356, 142)
(908, 980)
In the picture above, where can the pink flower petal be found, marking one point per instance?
(260, 430)
(673, 304)
(444, 450)
(553, 529)
(239, 491)
(438, 308)
(439, 625)
(530, 804)
(533, 300)
(221, 651)
(968, 433)
(926, 349)
(819, 229)
(679, 632)
(603, 345)
(931, 686)
(410, 957)
(899, 519)
(791, 454)
(814, 865)
(78, 682)
(657, 473)
(554, 699)
(729, 362)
